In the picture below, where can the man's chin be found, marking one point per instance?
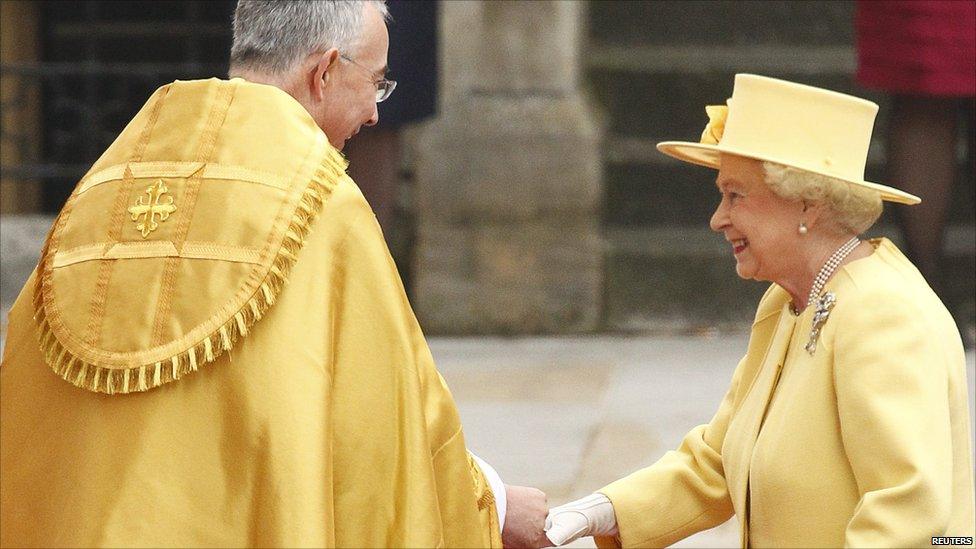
(338, 143)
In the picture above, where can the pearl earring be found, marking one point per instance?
(802, 229)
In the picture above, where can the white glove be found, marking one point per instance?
(590, 516)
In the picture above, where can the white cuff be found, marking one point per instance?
(497, 488)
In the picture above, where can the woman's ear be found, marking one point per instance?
(812, 211)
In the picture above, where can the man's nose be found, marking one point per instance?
(374, 118)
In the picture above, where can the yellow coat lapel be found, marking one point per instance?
(744, 427)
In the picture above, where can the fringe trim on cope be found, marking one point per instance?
(109, 380)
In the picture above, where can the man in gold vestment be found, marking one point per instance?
(215, 348)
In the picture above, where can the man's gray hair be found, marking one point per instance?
(273, 35)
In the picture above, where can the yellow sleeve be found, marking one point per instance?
(487, 510)
(686, 490)
(683, 493)
(891, 381)
(403, 477)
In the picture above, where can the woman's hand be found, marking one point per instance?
(589, 516)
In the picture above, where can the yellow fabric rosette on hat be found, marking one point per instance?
(713, 131)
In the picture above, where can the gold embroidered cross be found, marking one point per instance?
(148, 210)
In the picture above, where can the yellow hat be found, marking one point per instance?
(813, 129)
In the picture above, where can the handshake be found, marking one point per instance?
(530, 523)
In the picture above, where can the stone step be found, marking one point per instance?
(683, 279)
(670, 192)
(675, 277)
(698, 241)
(708, 58)
(675, 293)
(672, 103)
(729, 22)
(643, 150)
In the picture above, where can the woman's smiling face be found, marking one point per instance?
(761, 226)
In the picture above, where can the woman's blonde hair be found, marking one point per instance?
(852, 209)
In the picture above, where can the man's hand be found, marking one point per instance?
(525, 518)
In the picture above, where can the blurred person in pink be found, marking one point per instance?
(923, 53)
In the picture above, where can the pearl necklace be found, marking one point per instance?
(827, 270)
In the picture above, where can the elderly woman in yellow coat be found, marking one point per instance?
(846, 423)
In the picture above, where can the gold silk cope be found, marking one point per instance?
(216, 350)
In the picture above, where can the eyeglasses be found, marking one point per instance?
(384, 86)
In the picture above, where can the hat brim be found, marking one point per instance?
(709, 156)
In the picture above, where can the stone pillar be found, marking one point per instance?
(508, 183)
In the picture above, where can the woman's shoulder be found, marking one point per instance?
(885, 311)
(885, 273)
(886, 284)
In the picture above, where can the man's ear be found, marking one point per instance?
(322, 71)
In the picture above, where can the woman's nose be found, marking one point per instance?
(720, 219)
